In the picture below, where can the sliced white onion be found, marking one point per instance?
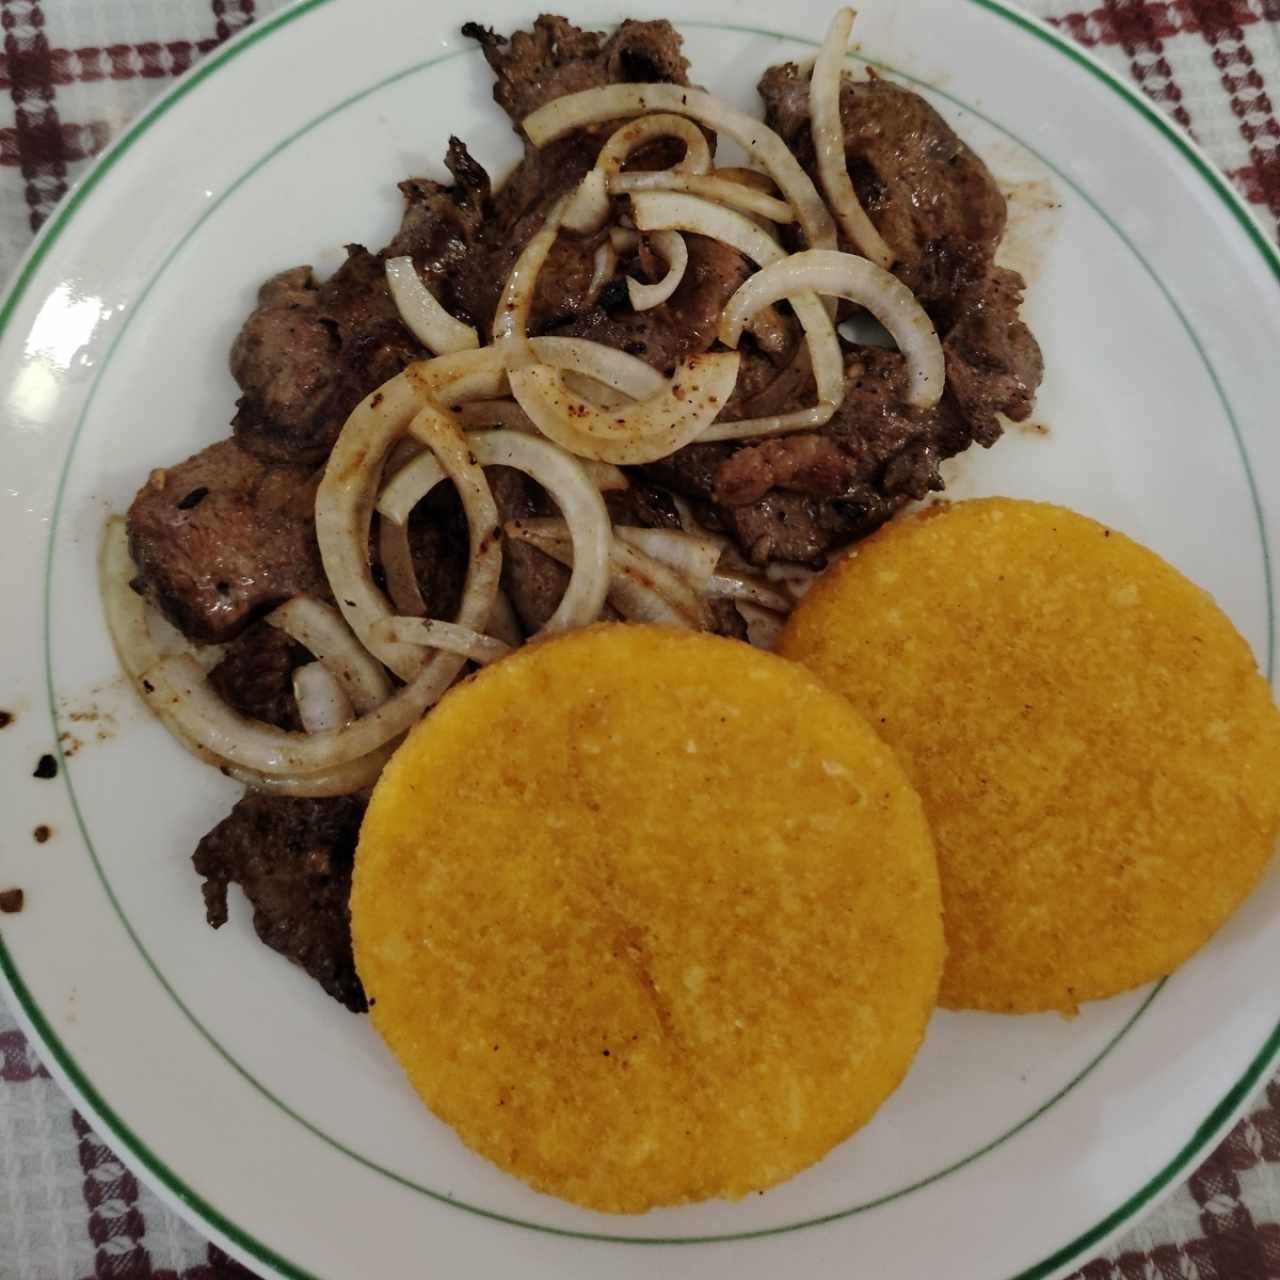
(843, 275)
(397, 566)
(777, 424)
(320, 629)
(673, 210)
(431, 633)
(490, 414)
(794, 579)
(641, 588)
(348, 489)
(589, 207)
(694, 558)
(511, 319)
(712, 187)
(504, 625)
(763, 625)
(342, 780)
(127, 621)
(728, 584)
(583, 509)
(179, 690)
(606, 262)
(828, 142)
(626, 373)
(420, 309)
(408, 487)
(322, 702)
(596, 393)
(641, 432)
(671, 245)
(612, 102)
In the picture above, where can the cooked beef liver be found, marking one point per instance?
(942, 214)
(255, 675)
(293, 860)
(795, 497)
(308, 355)
(994, 363)
(284, 361)
(222, 537)
(930, 197)
(555, 58)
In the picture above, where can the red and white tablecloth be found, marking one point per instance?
(72, 72)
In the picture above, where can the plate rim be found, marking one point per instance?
(62, 1063)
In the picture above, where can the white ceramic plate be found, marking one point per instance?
(250, 1100)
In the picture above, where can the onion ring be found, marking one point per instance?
(641, 432)
(589, 206)
(179, 689)
(671, 245)
(345, 497)
(446, 636)
(612, 102)
(641, 587)
(828, 142)
(670, 210)
(320, 629)
(138, 653)
(712, 187)
(322, 702)
(421, 311)
(843, 275)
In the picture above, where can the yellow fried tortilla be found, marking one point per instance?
(648, 916)
(1097, 753)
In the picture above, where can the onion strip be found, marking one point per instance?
(585, 514)
(763, 625)
(671, 210)
(694, 558)
(345, 498)
(606, 262)
(612, 102)
(827, 129)
(446, 636)
(138, 653)
(397, 567)
(642, 588)
(712, 187)
(421, 311)
(320, 629)
(641, 432)
(728, 585)
(589, 206)
(843, 275)
(179, 689)
(671, 245)
(322, 701)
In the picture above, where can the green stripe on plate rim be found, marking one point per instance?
(64, 1063)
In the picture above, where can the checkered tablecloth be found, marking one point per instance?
(72, 72)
